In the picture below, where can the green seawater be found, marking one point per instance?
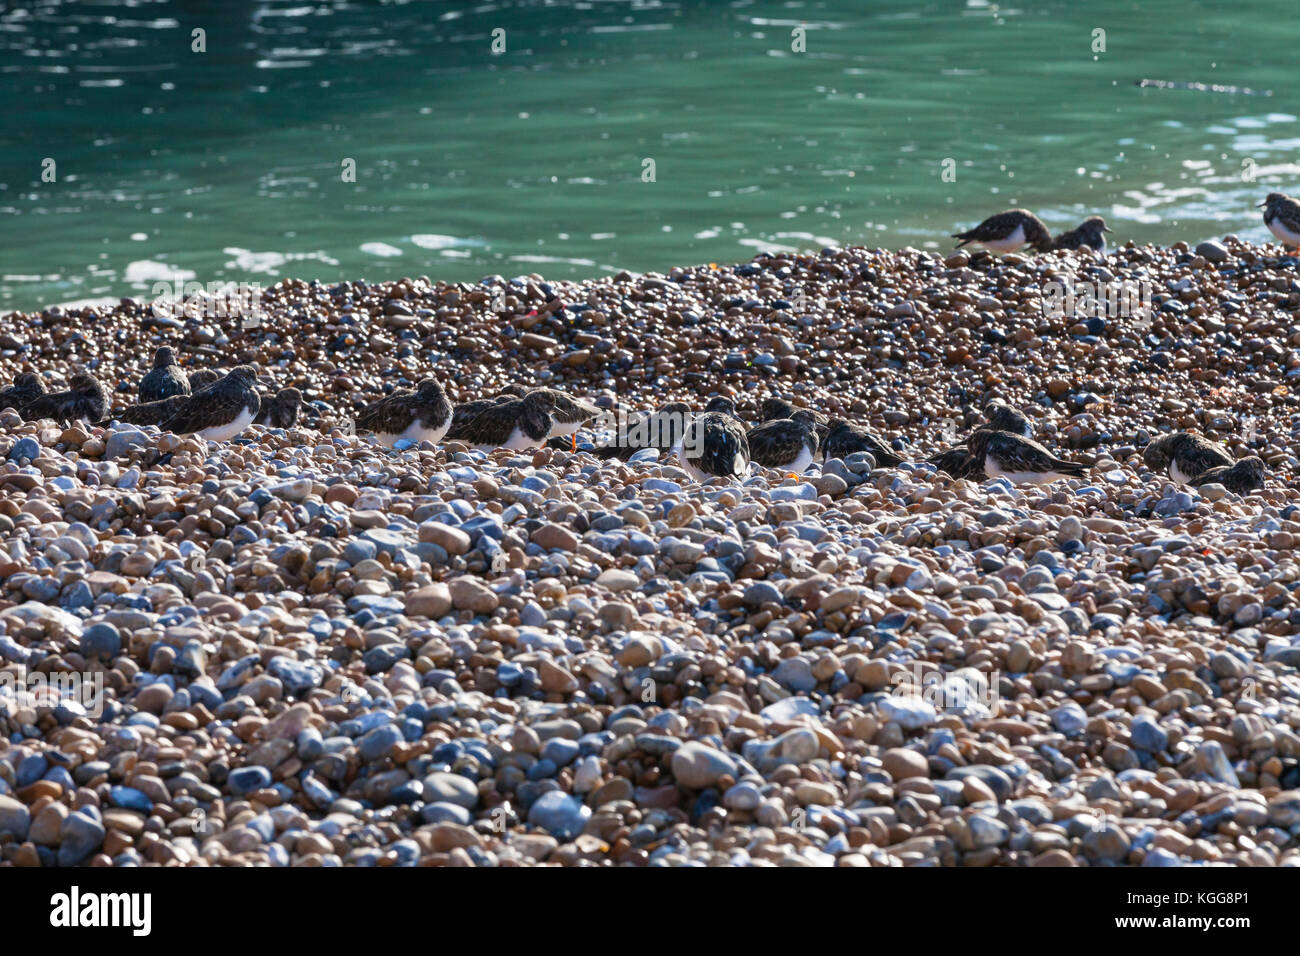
(227, 164)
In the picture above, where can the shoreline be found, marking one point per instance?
(855, 668)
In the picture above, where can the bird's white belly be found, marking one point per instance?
(1008, 243)
(804, 459)
(518, 441)
(1282, 232)
(415, 432)
(687, 466)
(563, 429)
(994, 470)
(228, 431)
(1178, 475)
(741, 468)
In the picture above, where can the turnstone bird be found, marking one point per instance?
(1240, 478)
(149, 413)
(661, 430)
(165, 379)
(1185, 455)
(774, 408)
(1002, 417)
(416, 415)
(466, 412)
(1282, 216)
(202, 378)
(83, 399)
(959, 463)
(1020, 460)
(1008, 231)
(714, 444)
(281, 409)
(1089, 233)
(27, 388)
(786, 443)
(843, 439)
(568, 414)
(220, 411)
(518, 424)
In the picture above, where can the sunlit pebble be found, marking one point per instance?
(905, 342)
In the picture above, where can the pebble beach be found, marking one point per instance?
(309, 650)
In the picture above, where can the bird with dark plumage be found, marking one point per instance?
(1002, 417)
(843, 439)
(786, 443)
(281, 409)
(466, 412)
(714, 443)
(1185, 455)
(1091, 233)
(774, 408)
(148, 413)
(959, 463)
(1242, 477)
(1008, 231)
(661, 430)
(165, 379)
(1282, 216)
(1020, 460)
(519, 424)
(202, 378)
(220, 411)
(26, 388)
(84, 399)
(416, 415)
(568, 414)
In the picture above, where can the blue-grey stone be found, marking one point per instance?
(297, 676)
(15, 818)
(379, 743)
(443, 812)
(451, 788)
(81, 836)
(247, 779)
(381, 658)
(30, 769)
(129, 798)
(101, 639)
(910, 712)
(561, 815)
(1069, 719)
(25, 447)
(1147, 734)
(77, 595)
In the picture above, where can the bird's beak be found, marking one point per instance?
(1104, 229)
(1262, 205)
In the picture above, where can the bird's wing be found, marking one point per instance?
(777, 443)
(391, 415)
(217, 404)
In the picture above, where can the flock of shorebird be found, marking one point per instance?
(1010, 230)
(715, 443)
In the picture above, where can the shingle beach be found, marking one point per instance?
(315, 651)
